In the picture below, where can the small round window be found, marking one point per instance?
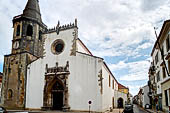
(57, 46)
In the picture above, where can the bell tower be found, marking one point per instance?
(28, 29)
(27, 46)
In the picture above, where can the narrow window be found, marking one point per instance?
(156, 58)
(18, 31)
(10, 94)
(167, 44)
(163, 72)
(40, 35)
(166, 97)
(29, 30)
(162, 54)
(109, 80)
(113, 84)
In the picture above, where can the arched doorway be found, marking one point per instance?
(57, 96)
(56, 88)
(120, 103)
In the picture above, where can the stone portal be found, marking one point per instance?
(56, 88)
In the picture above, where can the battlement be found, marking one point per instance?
(59, 28)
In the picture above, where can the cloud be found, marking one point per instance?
(1, 58)
(151, 4)
(145, 45)
(133, 89)
(136, 70)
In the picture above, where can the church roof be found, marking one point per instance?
(120, 86)
(32, 10)
(84, 46)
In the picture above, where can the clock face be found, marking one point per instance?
(16, 45)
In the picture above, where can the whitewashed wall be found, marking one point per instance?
(108, 92)
(35, 83)
(83, 83)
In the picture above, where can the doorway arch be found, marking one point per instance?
(57, 96)
(120, 102)
(55, 93)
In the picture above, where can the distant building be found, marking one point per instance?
(140, 97)
(129, 98)
(135, 99)
(159, 78)
(123, 89)
(121, 96)
(145, 97)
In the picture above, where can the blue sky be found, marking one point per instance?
(120, 31)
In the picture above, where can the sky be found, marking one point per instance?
(120, 31)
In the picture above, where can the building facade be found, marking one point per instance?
(160, 68)
(51, 69)
(145, 97)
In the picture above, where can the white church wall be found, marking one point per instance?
(35, 84)
(83, 83)
(67, 37)
(108, 92)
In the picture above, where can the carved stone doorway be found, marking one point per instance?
(57, 96)
(56, 88)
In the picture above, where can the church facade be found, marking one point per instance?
(51, 69)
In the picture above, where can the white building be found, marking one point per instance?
(145, 97)
(81, 76)
(160, 68)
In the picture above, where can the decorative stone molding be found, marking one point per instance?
(56, 75)
(100, 81)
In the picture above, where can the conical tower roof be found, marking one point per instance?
(32, 10)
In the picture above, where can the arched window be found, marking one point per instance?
(40, 35)
(18, 31)
(29, 30)
(10, 94)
